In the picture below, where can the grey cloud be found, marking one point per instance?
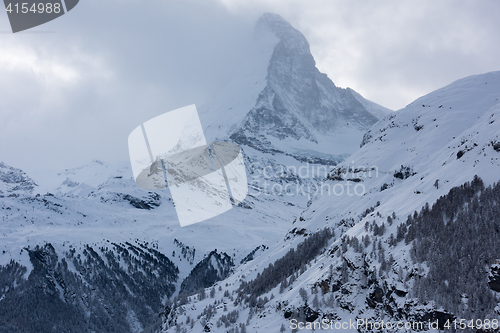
(73, 95)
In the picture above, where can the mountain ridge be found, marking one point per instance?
(373, 270)
(292, 108)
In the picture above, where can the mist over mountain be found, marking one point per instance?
(405, 206)
(282, 102)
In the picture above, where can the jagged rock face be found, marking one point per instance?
(298, 101)
(293, 75)
(14, 180)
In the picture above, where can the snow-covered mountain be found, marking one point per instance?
(282, 103)
(377, 266)
(93, 239)
(85, 249)
(14, 180)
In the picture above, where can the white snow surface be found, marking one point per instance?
(463, 116)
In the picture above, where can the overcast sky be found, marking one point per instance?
(73, 89)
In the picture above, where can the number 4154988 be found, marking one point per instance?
(39, 8)
(473, 324)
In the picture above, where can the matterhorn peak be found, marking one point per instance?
(285, 104)
(288, 35)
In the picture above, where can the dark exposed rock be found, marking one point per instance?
(310, 314)
(494, 278)
(404, 172)
(150, 202)
(301, 313)
(375, 297)
(251, 255)
(440, 316)
(496, 146)
(400, 293)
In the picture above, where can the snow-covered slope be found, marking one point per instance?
(442, 136)
(97, 212)
(410, 158)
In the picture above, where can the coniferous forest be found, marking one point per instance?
(458, 238)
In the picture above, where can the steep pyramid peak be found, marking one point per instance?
(277, 25)
(285, 104)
